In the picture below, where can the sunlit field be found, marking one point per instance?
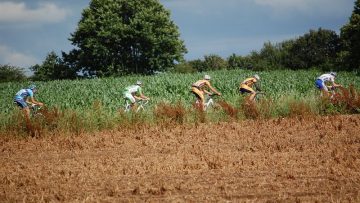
(290, 146)
(97, 104)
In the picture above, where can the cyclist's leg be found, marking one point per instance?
(129, 99)
(325, 92)
(199, 97)
(24, 107)
(250, 91)
(322, 87)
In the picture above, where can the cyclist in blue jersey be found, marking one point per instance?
(25, 97)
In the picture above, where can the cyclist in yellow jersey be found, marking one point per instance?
(247, 86)
(199, 89)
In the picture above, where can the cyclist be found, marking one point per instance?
(133, 93)
(199, 88)
(321, 81)
(24, 97)
(247, 86)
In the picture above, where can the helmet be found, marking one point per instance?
(333, 74)
(257, 76)
(138, 82)
(32, 87)
(207, 77)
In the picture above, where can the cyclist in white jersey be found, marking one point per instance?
(326, 78)
(133, 93)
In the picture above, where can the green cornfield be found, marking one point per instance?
(80, 96)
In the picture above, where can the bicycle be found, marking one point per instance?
(259, 96)
(140, 104)
(35, 111)
(209, 101)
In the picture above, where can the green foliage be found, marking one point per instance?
(52, 69)
(117, 37)
(271, 56)
(11, 73)
(242, 62)
(167, 87)
(214, 62)
(184, 67)
(313, 49)
(350, 36)
(96, 104)
(211, 62)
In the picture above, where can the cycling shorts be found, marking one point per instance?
(198, 93)
(21, 103)
(320, 84)
(246, 89)
(130, 97)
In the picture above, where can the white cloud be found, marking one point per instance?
(202, 7)
(14, 58)
(308, 7)
(12, 12)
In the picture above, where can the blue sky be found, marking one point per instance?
(30, 29)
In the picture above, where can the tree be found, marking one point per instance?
(10, 73)
(214, 62)
(116, 37)
(52, 69)
(350, 36)
(272, 55)
(314, 49)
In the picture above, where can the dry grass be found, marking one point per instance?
(229, 109)
(307, 159)
(167, 113)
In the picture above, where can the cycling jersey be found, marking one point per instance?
(327, 77)
(133, 89)
(320, 81)
(130, 90)
(23, 94)
(246, 85)
(200, 84)
(248, 82)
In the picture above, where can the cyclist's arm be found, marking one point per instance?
(257, 86)
(213, 89)
(141, 96)
(144, 97)
(207, 92)
(336, 85)
(137, 97)
(31, 100)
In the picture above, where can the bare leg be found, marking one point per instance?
(324, 93)
(26, 111)
(252, 96)
(133, 106)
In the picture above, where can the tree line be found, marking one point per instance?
(121, 37)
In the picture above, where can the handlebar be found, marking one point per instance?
(213, 95)
(143, 101)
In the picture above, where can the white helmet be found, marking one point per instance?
(207, 77)
(138, 82)
(333, 74)
(257, 76)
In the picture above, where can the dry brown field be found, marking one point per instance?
(307, 159)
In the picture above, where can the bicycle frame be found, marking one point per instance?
(209, 101)
(140, 105)
(35, 111)
(258, 97)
